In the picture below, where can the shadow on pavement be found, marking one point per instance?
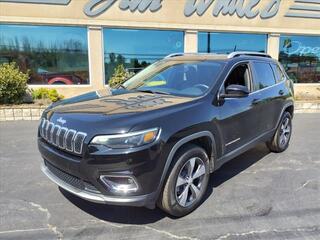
(116, 214)
(136, 215)
(236, 166)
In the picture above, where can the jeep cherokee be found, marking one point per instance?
(155, 139)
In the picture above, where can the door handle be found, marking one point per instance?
(281, 92)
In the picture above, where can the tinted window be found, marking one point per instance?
(135, 49)
(264, 76)
(230, 42)
(190, 78)
(279, 75)
(300, 56)
(51, 55)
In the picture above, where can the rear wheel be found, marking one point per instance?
(187, 182)
(281, 139)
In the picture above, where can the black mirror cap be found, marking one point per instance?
(235, 91)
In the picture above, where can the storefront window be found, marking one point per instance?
(225, 43)
(136, 49)
(300, 56)
(51, 55)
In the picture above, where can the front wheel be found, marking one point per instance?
(281, 138)
(187, 182)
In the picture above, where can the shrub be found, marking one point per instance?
(45, 94)
(120, 76)
(13, 83)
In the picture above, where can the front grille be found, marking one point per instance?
(70, 179)
(61, 137)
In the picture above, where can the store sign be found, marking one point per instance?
(55, 2)
(248, 9)
(96, 7)
(242, 8)
(297, 48)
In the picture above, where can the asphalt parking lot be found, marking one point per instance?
(259, 195)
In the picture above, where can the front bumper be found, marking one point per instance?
(139, 201)
(79, 175)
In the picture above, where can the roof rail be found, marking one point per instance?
(175, 55)
(231, 55)
(257, 54)
(189, 53)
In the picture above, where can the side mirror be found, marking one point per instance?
(235, 91)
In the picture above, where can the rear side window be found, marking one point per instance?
(264, 76)
(279, 75)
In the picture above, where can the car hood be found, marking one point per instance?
(113, 113)
(126, 103)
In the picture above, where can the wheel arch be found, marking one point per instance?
(289, 107)
(203, 139)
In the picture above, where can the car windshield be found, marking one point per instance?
(181, 78)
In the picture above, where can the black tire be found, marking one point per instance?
(277, 143)
(169, 200)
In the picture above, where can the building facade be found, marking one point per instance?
(75, 45)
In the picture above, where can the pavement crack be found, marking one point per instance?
(305, 184)
(42, 209)
(173, 236)
(163, 232)
(55, 231)
(51, 227)
(265, 231)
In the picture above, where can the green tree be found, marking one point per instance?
(46, 94)
(13, 83)
(119, 76)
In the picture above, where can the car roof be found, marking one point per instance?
(219, 57)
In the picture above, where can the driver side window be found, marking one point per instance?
(240, 75)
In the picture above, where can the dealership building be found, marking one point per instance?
(75, 45)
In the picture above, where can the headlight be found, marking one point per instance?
(127, 140)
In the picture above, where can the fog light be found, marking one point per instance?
(120, 184)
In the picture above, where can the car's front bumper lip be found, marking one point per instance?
(139, 201)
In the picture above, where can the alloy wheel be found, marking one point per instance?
(285, 132)
(189, 181)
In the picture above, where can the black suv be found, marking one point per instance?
(156, 139)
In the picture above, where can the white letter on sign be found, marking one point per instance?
(88, 8)
(193, 6)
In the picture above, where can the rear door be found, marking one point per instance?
(266, 95)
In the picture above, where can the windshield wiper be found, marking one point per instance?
(152, 91)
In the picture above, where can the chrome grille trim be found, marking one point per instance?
(45, 130)
(62, 137)
(81, 136)
(69, 139)
(49, 131)
(42, 124)
(55, 133)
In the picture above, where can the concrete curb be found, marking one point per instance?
(307, 107)
(16, 113)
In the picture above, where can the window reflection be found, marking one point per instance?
(51, 55)
(230, 42)
(182, 78)
(264, 75)
(136, 49)
(300, 56)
